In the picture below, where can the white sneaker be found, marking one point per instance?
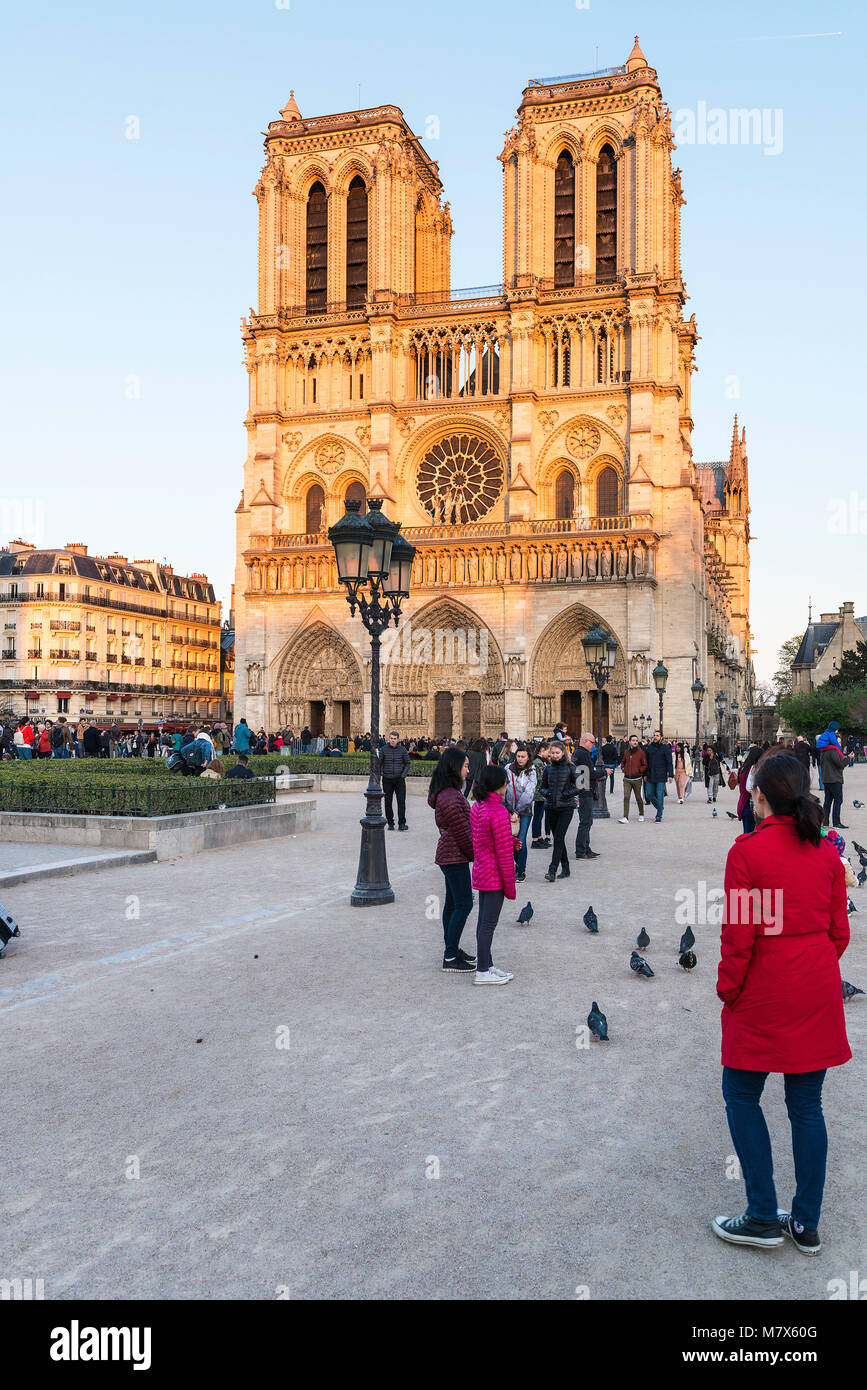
(490, 977)
(640, 819)
(624, 820)
(505, 974)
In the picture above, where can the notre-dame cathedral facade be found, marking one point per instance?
(533, 437)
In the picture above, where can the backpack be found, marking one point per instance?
(56, 736)
(193, 754)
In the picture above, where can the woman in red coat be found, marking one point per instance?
(785, 927)
(454, 853)
(493, 867)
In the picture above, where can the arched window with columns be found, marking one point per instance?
(356, 493)
(356, 244)
(564, 496)
(606, 216)
(315, 509)
(607, 490)
(564, 221)
(317, 250)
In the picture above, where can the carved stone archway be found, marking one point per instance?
(558, 665)
(444, 648)
(318, 668)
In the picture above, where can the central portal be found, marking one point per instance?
(570, 712)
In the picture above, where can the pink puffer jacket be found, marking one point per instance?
(494, 861)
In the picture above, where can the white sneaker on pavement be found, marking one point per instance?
(504, 974)
(624, 820)
(640, 819)
(489, 977)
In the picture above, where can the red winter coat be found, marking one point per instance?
(778, 977)
(494, 863)
(452, 816)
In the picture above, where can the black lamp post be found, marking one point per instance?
(600, 651)
(720, 703)
(735, 709)
(698, 693)
(660, 677)
(641, 722)
(370, 554)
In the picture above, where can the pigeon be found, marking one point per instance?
(859, 805)
(850, 906)
(640, 966)
(731, 815)
(642, 940)
(687, 960)
(687, 941)
(849, 991)
(714, 813)
(862, 878)
(591, 921)
(525, 914)
(861, 850)
(862, 860)
(597, 1023)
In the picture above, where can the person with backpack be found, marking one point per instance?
(560, 788)
(57, 739)
(833, 763)
(454, 854)
(493, 867)
(243, 737)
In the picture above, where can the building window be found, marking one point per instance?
(317, 250)
(355, 493)
(315, 512)
(63, 704)
(606, 493)
(606, 216)
(564, 496)
(564, 220)
(40, 591)
(356, 245)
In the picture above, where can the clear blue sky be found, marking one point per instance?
(136, 258)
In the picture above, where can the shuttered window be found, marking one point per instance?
(564, 221)
(606, 216)
(317, 250)
(606, 493)
(356, 245)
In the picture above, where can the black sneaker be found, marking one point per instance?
(743, 1230)
(580, 854)
(465, 955)
(519, 877)
(549, 877)
(808, 1242)
(461, 965)
(403, 827)
(591, 854)
(564, 873)
(541, 844)
(390, 826)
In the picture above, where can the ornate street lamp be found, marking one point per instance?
(374, 563)
(698, 691)
(660, 677)
(720, 703)
(600, 652)
(735, 710)
(640, 722)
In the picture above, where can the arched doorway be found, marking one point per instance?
(561, 686)
(318, 680)
(355, 493)
(315, 510)
(471, 714)
(445, 650)
(443, 712)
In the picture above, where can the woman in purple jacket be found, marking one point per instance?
(454, 852)
(493, 867)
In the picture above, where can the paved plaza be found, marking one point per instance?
(314, 1110)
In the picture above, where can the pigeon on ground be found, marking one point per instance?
(714, 813)
(687, 960)
(861, 850)
(850, 906)
(859, 805)
(862, 860)
(642, 940)
(591, 921)
(597, 1023)
(862, 878)
(640, 966)
(849, 991)
(687, 941)
(731, 815)
(525, 914)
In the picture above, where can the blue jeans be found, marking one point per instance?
(538, 813)
(748, 819)
(521, 854)
(25, 751)
(655, 794)
(742, 1091)
(457, 906)
(610, 780)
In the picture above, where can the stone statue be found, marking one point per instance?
(639, 669)
(254, 678)
(639, 560)
(577, 562)
(562, 563)
(460, 567)
(592, 558)
(501, 566)
(298, 575)
(622, 561)
(532, 565)
(445, 567)
(473, 564)
(546, 564)
(606, 562)
(487, 567)
(430, 568)
(515, 565)
(320, 521)
(516, 675)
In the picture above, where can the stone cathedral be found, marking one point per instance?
(532, 437)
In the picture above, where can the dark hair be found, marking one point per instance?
(523, 748)
(752, 758)
(242, 758)
(785, 782)
(490, 780)
(447, 772)
(480, 746)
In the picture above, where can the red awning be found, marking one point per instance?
(64, 694)
(91, 695)
(31, 695)
(111, 697)
(125, 697)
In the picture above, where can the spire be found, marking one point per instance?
(636, 58)
(290, 111)
(734, 447)
(810, 610)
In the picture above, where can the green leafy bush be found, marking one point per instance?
(102, 795)
(350, 765)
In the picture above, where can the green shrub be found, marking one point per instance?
(169, 795)
(350, 765)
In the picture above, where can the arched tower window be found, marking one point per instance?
(564, 496)
(317, 250)
(356, 244)
(355, 493)
(606, 493)
(564, 221)
(606, 216)
(315, 510)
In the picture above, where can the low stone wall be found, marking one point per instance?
(321, 782)
(170, 837)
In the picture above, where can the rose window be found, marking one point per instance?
(459, 479)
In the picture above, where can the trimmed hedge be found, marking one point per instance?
(350, 765)
(169, 795)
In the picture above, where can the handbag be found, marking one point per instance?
(733, 781)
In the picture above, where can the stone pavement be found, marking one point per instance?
(21, 863)
(417, 1137)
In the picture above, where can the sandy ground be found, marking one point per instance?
(223, 1081)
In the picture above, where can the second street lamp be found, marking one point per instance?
(600, 651)
(698, 692)
(660, 679)
(371, 555)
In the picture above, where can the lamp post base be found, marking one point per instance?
(600, 801)
(372, 888)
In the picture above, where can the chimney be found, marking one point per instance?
(75, 548)
(17, 546)
(117, 559)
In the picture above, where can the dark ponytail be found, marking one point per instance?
(785, 782)
(490, 780)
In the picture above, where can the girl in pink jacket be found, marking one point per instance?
(493, 867)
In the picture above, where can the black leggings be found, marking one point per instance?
(490, 907)
(560, 817)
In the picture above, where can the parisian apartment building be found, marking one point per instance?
(101, 637)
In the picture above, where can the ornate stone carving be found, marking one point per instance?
(362, 434)
(292, 440)
(639, 560)
(515, 673)
(548, 419)
(330, 456)
(605, 566)
(616, 414)
(622, 561)
(254, 678)
(638, 669)
(406, 424)
(583, 441)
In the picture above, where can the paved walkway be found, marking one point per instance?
(417, 1137)
(22, 863)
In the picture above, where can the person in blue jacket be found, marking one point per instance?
(243, 737)
(660, 770)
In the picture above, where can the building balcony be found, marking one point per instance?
(63, 654)
(112, 660)
(34, 654)
(9, 655)
(576, 527)
(126, 661)
(91, 656)
(112, 631)
(91, 627)
(139, 661)
(64, 625)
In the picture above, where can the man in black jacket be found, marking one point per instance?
(586, 774)
(659, 771)
(393, 764)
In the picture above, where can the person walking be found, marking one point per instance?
(659, 771)
(393, 760)
(520, 791)
(478, 761)
(243, 737)
(779, 982)
(634, 766)
(682, 770)
(454, 853)
(493, 867)
(537, 839)
(712, 769)
(560, 788)
(587, 773)
(833, 762)
(610, 757)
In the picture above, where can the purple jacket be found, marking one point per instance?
(494, 862)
